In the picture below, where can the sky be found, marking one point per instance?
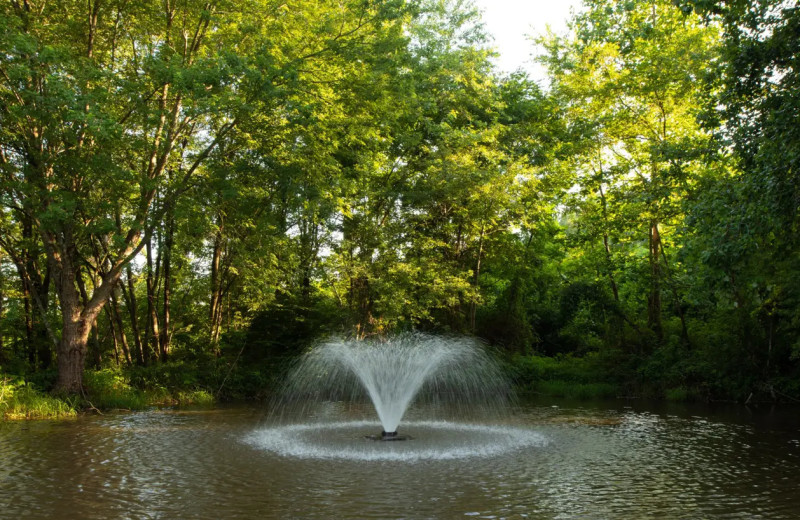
(512, 22)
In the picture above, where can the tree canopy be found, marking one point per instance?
(194, 183)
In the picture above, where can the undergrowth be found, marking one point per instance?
(20, 400)
(105, 390)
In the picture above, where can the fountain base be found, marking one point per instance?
(388, 436)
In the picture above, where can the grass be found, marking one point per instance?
(574, 390)
(564, 376)
(106, 390)
(195, 398)
(23, 401)
(111, 389)
(681, 395)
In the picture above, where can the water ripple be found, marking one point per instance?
(431, 440)
(544, 463)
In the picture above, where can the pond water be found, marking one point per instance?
(550, 460)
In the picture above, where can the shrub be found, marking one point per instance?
(587, 377)
(195, 397)
(681, 394)
(109, 389)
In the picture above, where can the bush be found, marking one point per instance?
(196, 397)
(109, 389)
(681, 395)
(578, 390)
(587, 377)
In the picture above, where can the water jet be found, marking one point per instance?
(338, 384)
(454, 374)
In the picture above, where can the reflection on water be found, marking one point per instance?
(605, 461)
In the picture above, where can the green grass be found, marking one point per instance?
(195, 397)
(681, 395)
(111, 389)
(584, 377)
(23, 401)
(106, 390)
(577, 390)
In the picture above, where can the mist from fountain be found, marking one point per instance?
(456, 390)
(453, 374)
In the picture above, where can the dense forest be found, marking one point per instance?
(194, 191)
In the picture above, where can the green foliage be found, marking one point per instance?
(170, 385)
(588, 377)
(299, 169)
(195, 398)
(172, 375)
(680, 395)
(19, 400)
(583, 391)
(110, 390)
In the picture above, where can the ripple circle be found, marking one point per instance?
(431, 440)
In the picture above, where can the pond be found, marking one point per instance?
(623, 459)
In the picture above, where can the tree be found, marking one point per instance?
(632, 88)
(110, 110)
(748, 217)
(94, 103)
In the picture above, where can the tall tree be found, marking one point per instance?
(748, 217)
(94, 102)
(630, 84)
(97, 99)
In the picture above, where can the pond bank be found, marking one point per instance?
(106, 390)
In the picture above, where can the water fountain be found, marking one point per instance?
(452, 378)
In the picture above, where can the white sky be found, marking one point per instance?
(513, 22)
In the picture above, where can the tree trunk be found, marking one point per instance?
(676, 297)
(27, 297)
(168, 240)
(2, 295)
(123, 339)
(130, 302)
(607, 246)
(38, 296)
(654, 298)
(29, 337)
(76, 317)
(74, 326)
(360, 302)
(152, 335)
(44, 354)
(97, 356)
(216, 286)
(113, 330)
(72, 352)
(473, 310)
(77, 320)
(609, 268)
(95, 350)
(38, 332)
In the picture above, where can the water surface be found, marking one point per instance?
(612, 460)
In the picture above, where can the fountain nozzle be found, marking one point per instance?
(388, 436)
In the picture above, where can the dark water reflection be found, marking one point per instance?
(601, 461)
